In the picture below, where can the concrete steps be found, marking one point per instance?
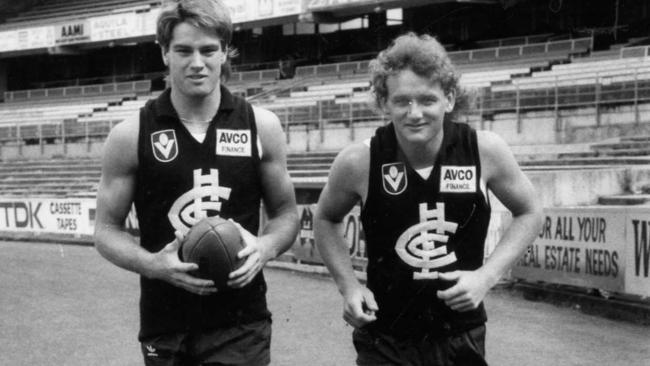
(57, 177)
(624, 199)
(74, 177)
(625, 146)
(310, 170)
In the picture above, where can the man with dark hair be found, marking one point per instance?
(193, 152)
(423, 182)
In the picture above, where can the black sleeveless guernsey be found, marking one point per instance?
(416, 228)
(179, 181)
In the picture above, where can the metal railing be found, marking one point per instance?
(59, 132)
(349, 112)
(597, 94)
(133, 87)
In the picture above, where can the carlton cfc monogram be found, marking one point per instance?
(417, 246)
(193, 205)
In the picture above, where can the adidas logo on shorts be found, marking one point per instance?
(151, 351)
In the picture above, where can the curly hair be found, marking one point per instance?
(423, 55)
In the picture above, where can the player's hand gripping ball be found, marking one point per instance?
(213, 244)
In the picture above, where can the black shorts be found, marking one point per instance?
(379, 349)
(241, 345)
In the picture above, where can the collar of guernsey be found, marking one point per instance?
(164, 105)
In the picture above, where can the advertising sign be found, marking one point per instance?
(148, 21)
(26, 38)
(132, 24)
(637, 272)
(72, 32)
(578, 246)
(590, 247)
(238, 10)
(60, 216)
(324, 4)
(305, 249)
(9, 41)
(38, 37)
(251, 10)
(283, 7)
(115, 26)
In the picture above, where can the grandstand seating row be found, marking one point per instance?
(339, 93)
(596, 72)
(237, 81)
(514, 41)
(79, 177)
(50, 94)
(548, 49)
(473, 59)
(49, 178)
(313, 101)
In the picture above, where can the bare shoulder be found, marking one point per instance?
(351, 168)
(264, 115)
(267, 122)
(353, 157)
(269, 131)
(347, 183)
(489, 142)
(496, 157)
(121, 146)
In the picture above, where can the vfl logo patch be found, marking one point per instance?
(165, 148)
(458, 179)
(233, 142)
(394, 178)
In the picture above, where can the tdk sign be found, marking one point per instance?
(458, 179)
(233, 142)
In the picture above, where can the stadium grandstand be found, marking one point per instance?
(565, 82)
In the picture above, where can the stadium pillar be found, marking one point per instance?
(286, 125)
(636, 97)
(481, 98)
(597, 100)
(517, 106)
(63, 139)
(40, 139)
(321, 123)
(556, 107)
(3, 76)
(86, 132)
(19, 141)
(351, 119)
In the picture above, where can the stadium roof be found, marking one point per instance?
(327, 10)
(334, 4)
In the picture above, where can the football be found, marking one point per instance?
(213, 244)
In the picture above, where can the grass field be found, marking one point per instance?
(65, 305)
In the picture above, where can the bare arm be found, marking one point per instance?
(114, 200)
(278, 194)
(346, 186)
(509, 184)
